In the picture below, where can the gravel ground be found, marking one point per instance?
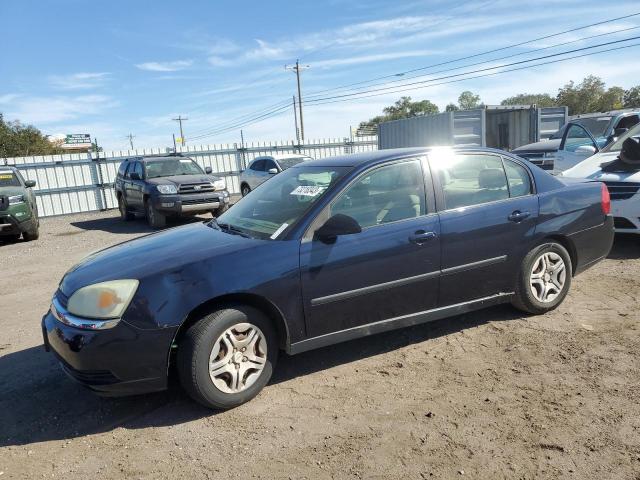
(485, 395)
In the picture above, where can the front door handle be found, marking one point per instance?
(420, 237)
(518, 216)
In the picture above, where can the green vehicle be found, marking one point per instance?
(18, 209)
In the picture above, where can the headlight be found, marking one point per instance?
(219, 184)
(103, 300)
(167, 189)
(16, 199)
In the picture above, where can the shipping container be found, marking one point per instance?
(503, 127)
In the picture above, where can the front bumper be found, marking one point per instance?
(191, 203)
(123, 360)
(15, 220)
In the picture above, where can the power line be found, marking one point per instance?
(448, 62)
(562, 44)
(475, 71)
(485, 74)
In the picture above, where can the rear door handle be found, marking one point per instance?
(518, 216)
(421, 237)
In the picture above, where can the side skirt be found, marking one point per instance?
(397, 322)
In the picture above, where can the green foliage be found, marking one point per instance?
(631, 98)
(18, 140)
(590, 96)
(403, 108)
(540, 99)
(469, 100)
(452, 107)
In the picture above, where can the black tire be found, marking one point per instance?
(10, 238)
(125, 214)
(155, 218)
(196, 346)
(524, 298)
(32, 233)
(245, 189)
(219, 211)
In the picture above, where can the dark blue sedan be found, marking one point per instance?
(327, 251)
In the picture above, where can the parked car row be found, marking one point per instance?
(581, 137)
(346, 247)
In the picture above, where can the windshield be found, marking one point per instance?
(597, 126)
(279, 203)
(8, 179)
(617, 145)
(171, 167)
(290, 162)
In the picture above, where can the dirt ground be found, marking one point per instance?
(486, 395)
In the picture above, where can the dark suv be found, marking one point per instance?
(18, 208)
(172, 186)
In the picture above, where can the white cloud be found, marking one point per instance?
(8, 98)
(47, 110)
(165, 66)
(79, 81)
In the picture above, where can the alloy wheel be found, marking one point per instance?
(548, 277)
(237, 358)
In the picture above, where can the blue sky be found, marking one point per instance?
(110, 68)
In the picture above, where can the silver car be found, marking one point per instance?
(263, 168)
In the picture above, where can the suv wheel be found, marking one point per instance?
(124, 213)
(219, 211)
(154, 217)
(32, 233)
(227, 357)
(544, 280)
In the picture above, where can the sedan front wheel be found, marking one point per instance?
(227, 357)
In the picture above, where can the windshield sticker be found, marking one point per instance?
(4, 176)
(185, 161)
(279, 231)
(308, 190)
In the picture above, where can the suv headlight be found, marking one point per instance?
(167, 189)
(219, 184)
(103, 300)
(16, 199)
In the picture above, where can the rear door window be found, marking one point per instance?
(518, 179)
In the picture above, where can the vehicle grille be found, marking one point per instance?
(196, 201)
(89, 377)
(187, 188)
(622, 190)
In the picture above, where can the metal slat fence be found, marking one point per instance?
(83, 182)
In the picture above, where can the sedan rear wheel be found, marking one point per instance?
(245, 190)
(228, 356)
(544, 280)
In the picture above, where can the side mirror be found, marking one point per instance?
(272, 171)
(335, 226)
(135, 176)
(29, 183)
(586, 150)
(208, 170)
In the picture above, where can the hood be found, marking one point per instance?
(591, 168)
(540, 147)
(159, 252)
(180, 179)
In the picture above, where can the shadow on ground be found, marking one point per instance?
(39, 403)
(139, 225)
(625, 247)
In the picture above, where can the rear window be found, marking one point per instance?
(9, 179)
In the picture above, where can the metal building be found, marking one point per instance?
(504, 127)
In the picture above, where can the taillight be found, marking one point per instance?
(606, 200)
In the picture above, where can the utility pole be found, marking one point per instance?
(180, 119)
(295, 120)
(131, 137)
(298, 68)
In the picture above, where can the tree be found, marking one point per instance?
(403, 108)
(540, 99)
(18, 140)
(452, 107)
(631, 98)
(468, 100)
